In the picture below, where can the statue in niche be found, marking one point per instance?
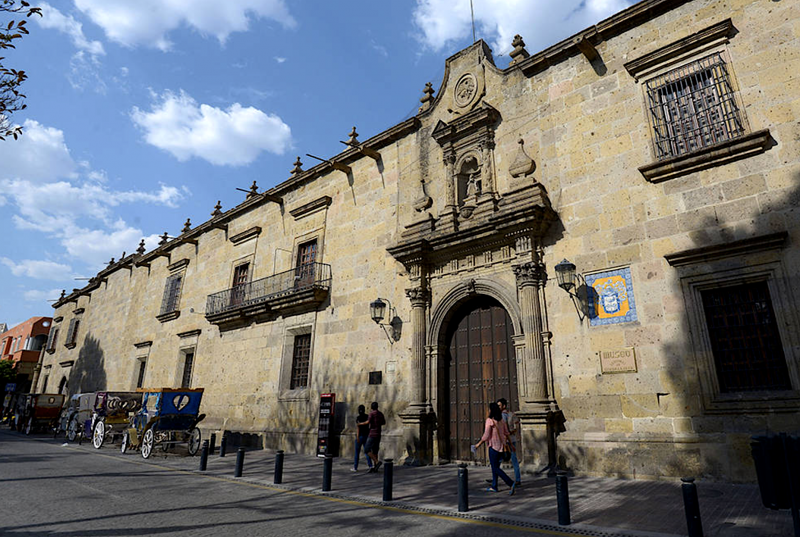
(469, 182)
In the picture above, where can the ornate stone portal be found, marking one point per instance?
(487, 231)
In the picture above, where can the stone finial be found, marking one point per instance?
(353, 141)
(164, 239)
(427, 99)
(63, 294)
(523, 165)
(253, 190)
(122, 256)
(298, 166)
(217, 209)
(111, 262)
(519, 53)
(187, 226)
(140, 249)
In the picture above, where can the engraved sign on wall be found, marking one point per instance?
(618, 360)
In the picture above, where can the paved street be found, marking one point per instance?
(50, 489)
(103, 492)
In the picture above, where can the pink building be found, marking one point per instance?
(22, 345)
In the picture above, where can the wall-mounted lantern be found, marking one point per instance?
(377, 310)
(570, 281)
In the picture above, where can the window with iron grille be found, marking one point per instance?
(300, 359)
(172, 294)
(745, 342)
(693, 106)
(72, 332)
(188, 364)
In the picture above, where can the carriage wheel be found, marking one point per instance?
(98, 435)
(29, 426)
(147, 443)
(72, 430)
(165, 441)
(125, 442)
(194, 441)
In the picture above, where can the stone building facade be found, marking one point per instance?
(657, 151)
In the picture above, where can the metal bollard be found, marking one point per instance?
(562, 497)
(213, 444)
(692, 507)
(223, 445)
(463, 488)
(278, 467)
(239, 463)
(327, 471)
(388, 475)
(204, 456)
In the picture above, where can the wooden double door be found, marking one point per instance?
(482, 369)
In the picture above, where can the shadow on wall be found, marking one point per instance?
(88, 374)
(294, 427)
(726, 453)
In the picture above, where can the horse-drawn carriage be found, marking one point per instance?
(39, 411)
(167, 417)
(109, 416)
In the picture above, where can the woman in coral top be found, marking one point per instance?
(495, 435)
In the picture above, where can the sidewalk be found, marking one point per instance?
(599, 506)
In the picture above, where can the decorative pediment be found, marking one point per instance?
(466, 128)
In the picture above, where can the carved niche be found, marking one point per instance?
(468, 148)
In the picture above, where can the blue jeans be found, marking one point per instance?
(515, 462)
(494, 460)
(360, 441)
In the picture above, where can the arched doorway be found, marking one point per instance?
(481, 368)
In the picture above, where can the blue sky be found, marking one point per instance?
(144, 113)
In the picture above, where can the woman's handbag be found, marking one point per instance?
(507, 452)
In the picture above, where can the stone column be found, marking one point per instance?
(418, 417)
(529, 277)
(419, 297)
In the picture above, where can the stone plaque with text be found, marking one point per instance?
(618, 360)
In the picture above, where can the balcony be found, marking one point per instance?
(302, 288)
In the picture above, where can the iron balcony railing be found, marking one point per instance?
(311, 275)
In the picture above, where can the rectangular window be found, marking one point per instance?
(300, 359)
(186, 380)
(44, 384)
(692, 107)
(72, 333)
(140, 373)
(306, 257)
(172, 294)
(745, 341)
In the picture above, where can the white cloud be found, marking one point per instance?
(236, 136)
(69, 201)
(148, 22)
(279, 59)
(41, 270)
(444, 21)
(40, 154)
(36, 295)
(52, 18)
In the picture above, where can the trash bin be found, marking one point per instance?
(776, 459)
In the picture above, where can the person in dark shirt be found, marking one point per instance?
(362, 423)
(375, 421)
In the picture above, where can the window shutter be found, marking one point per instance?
(49, 344)
(71, 331)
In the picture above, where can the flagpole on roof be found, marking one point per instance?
(472, 13)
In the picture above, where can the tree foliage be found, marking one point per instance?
(11, 100)
(7, 373)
